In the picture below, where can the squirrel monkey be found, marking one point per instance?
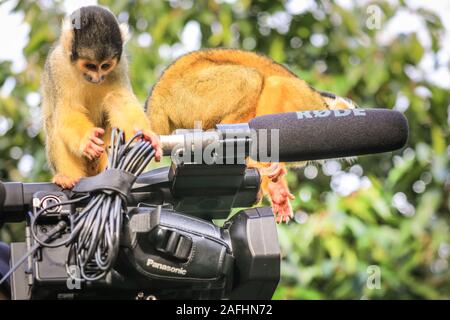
(86, 92)
(233, 86)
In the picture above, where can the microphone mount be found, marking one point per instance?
(227, 144)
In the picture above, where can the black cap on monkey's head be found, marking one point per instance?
(96, 34)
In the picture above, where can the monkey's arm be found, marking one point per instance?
(125, 112)
(78, 132)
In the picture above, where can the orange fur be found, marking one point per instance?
(229, 86)
(74, 109)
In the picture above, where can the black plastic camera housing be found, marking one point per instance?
(167, 255)
(170, 248)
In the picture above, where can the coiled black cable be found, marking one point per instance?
(96, 229)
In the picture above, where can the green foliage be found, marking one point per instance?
(327, 251)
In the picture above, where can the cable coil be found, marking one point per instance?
(95, 234)
(95, 230)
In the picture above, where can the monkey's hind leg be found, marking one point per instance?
(68, 167)
(283, 94)
(159, 121)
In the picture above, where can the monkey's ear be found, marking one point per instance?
(125, 32)
(66, 34)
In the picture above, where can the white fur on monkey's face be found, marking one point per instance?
(95, 72)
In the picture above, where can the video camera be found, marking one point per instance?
(168, 246)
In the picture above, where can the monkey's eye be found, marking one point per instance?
(91, 66)
(105, 66)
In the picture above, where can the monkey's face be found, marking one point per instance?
(94, 41)
(94, 71)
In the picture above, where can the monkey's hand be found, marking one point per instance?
(92, 146)
(280, 196)
(154, 140)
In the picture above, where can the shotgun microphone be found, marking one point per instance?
(324, 134)
(299, 136)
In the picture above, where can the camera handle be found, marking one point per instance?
(15, 198)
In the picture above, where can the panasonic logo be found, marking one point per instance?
(165, 267)
(330, 113)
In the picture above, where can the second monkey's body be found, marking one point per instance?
(232, 86)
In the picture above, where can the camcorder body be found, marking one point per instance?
(170, 248)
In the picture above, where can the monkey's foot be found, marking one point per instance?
(280, 196)
(274, 171)
(64, 181)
